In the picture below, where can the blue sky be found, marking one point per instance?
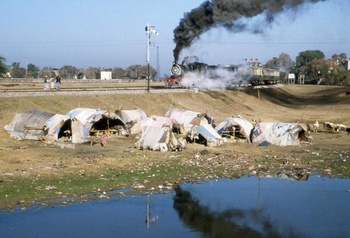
(111, 33)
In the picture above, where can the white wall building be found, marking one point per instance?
(106, 75)
(347, 64)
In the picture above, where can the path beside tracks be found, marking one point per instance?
(95, 92)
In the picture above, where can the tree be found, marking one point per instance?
(140, 71)
(92, 73)
(17, 71)
(133, 71)
(3, 68)
(305, 57)
(68, 72)
(340, 59)
(32, 71)
(283, 63)
(322, 71)
(118, 72)
(46, 72)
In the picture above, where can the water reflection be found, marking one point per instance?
(266, 207)
(244, 207)
(211, 223)
(150, 220)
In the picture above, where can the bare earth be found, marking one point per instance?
(327, 154)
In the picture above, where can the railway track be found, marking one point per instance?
(86, 90)
(79, 89)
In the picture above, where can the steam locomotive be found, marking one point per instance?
(250, 74)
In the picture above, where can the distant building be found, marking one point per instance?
(106, 75)
(347, 64)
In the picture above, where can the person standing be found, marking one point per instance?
(46, 85)
(104, 139)
(58, 83)
(52, 83)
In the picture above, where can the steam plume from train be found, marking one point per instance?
(227, 13)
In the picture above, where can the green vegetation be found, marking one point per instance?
(89, 185)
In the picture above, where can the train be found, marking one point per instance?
(250, 74)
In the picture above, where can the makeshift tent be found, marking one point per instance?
(131, 116)
(156, 138)
(244, 126)
(30, 125)
(154, 121)
(206, 135)
(278, 133)
(186, 119)
(86, 122)
(58, 126)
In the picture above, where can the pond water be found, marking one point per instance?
(243, 207)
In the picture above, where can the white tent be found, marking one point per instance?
(154, 121)
(206, 132)
(131, 116)
(278, 133)
(83, 120)
(246, 126)
(158, 138)
(30, 124)
(55, 124)
(186, 118)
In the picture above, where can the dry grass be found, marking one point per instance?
(292, 103)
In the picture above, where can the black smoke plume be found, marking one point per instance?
(227, 13)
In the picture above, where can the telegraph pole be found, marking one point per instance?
(158, 66)
(149, 30)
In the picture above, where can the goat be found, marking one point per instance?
(334, 127)
(328, 125)
(316, 126)
(339, 127)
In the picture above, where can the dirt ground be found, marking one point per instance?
(328, 153)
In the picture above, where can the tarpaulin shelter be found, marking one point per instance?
(186, 118)
(158, 138)
(131, 116)
(31, 124)
(57, 126)
(206, 135)
(244, 126)
(278, 133)
(87, 121)
(154, 121)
